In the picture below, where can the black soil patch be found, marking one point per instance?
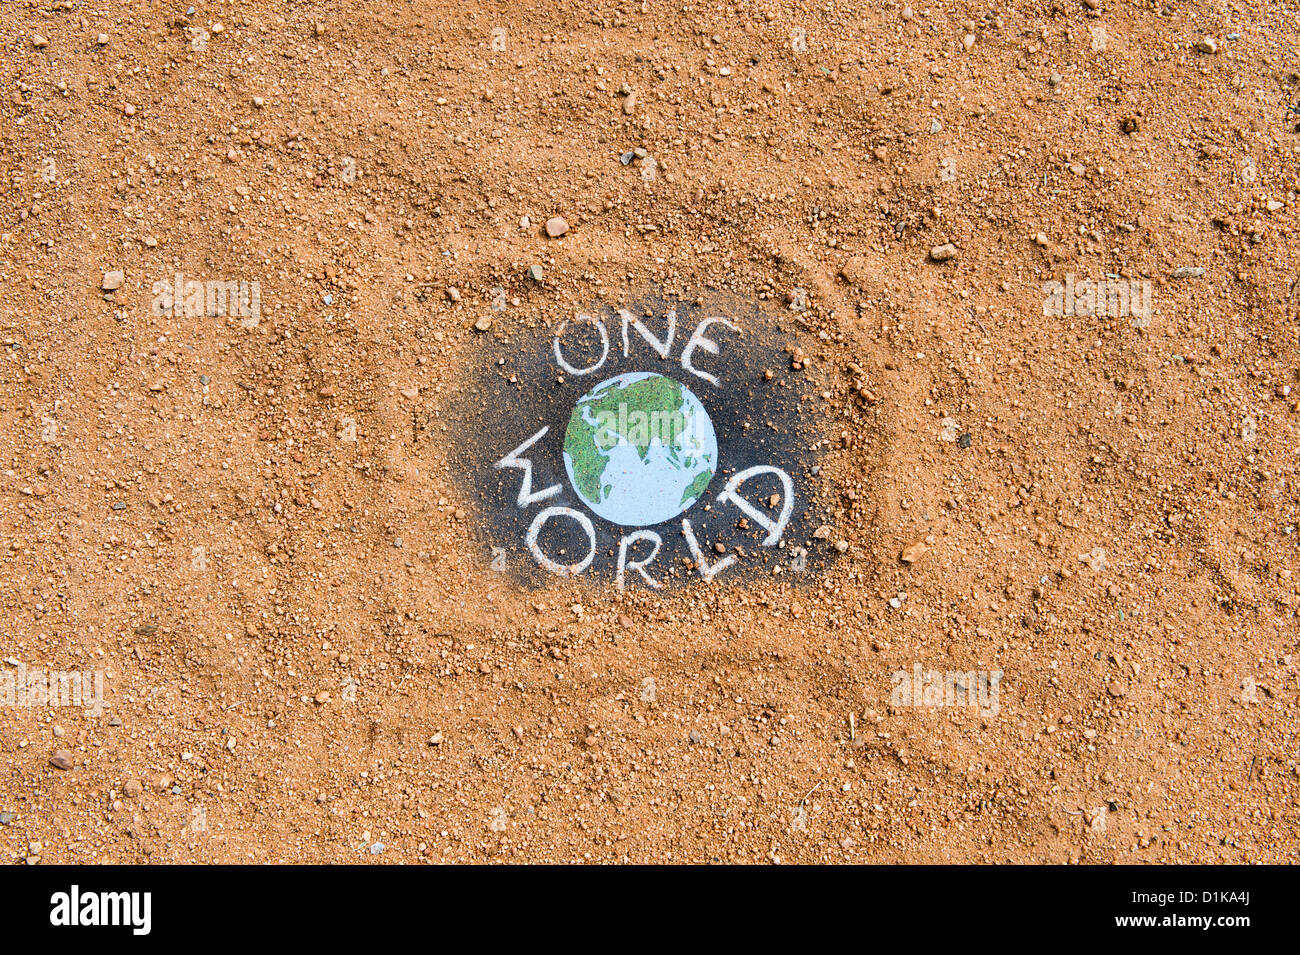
(515, 387)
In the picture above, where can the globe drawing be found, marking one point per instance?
(640, 449)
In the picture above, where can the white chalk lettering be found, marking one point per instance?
(534, 529)
(707, 571)
(512, 460)
(604, 344)
(700, 340)
(638, 565)
(661, 346)
(775, 528)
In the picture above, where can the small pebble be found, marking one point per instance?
(913, 552)
(556, 226)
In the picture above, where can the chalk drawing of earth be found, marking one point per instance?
(640, 449)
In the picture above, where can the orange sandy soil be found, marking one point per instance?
(285, 683)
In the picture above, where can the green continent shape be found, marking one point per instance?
(660, 399)
(696, 487)
(588, 462)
